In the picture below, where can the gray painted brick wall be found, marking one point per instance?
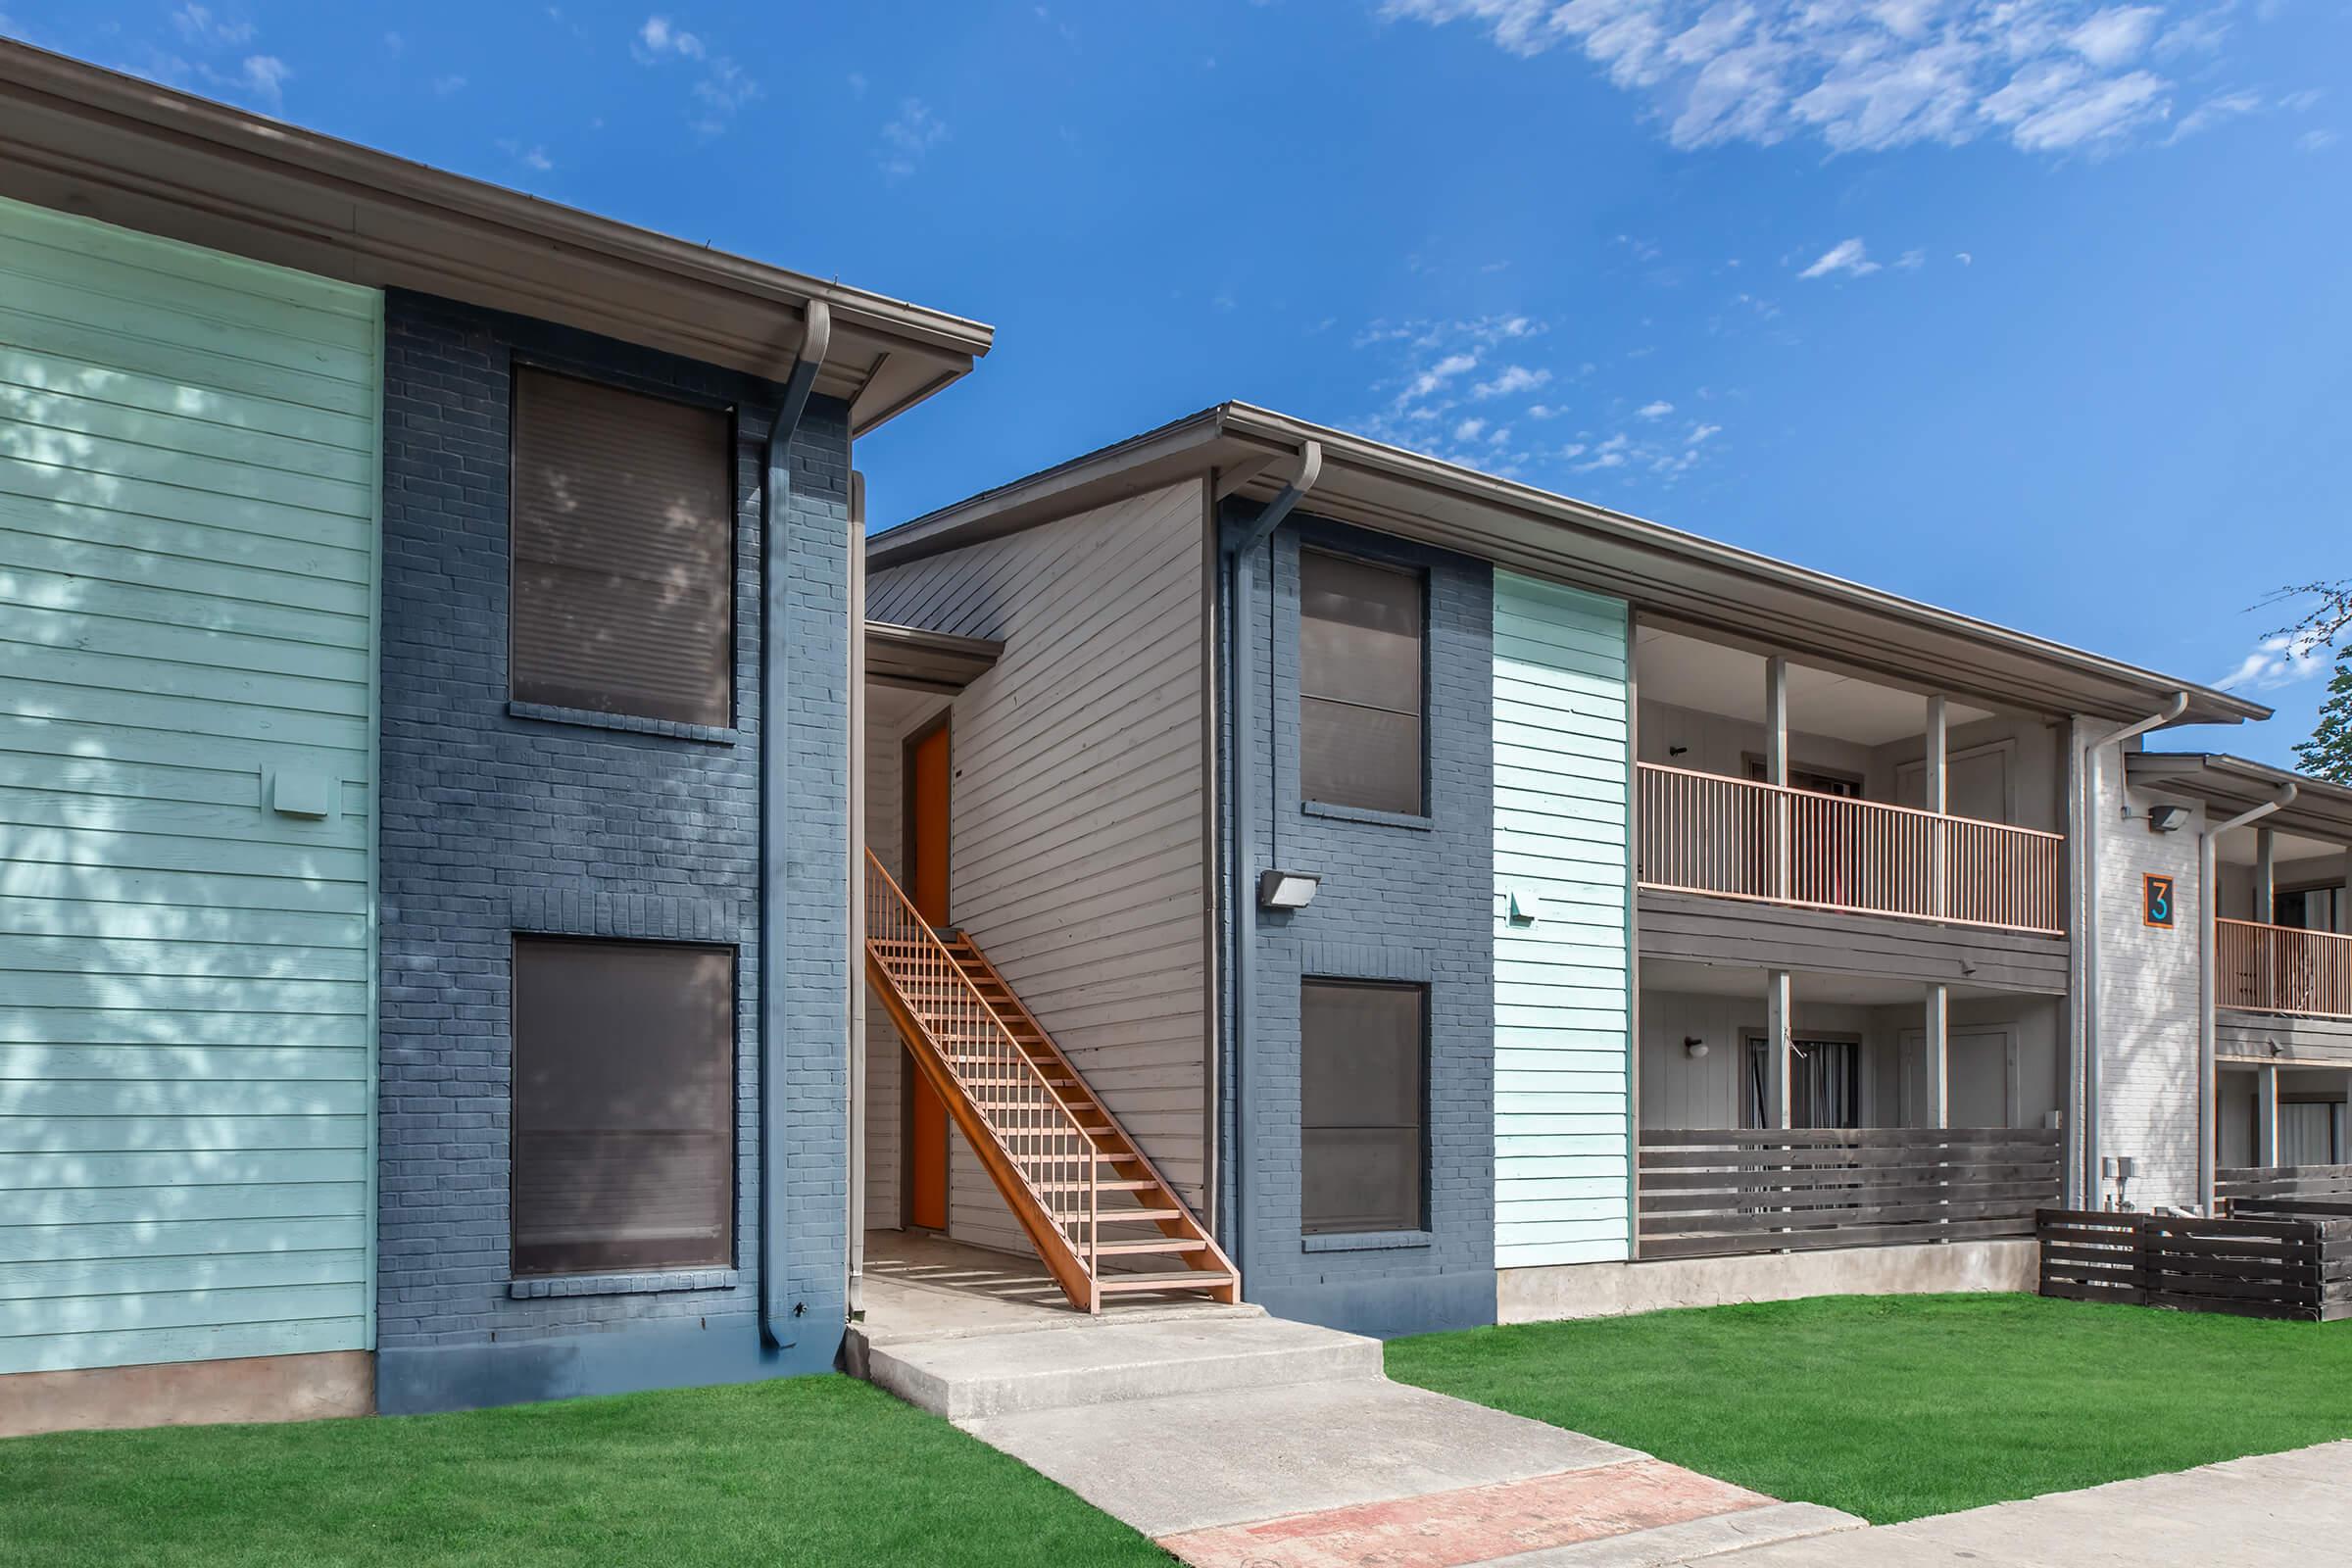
(494, 822)
(1400, 902)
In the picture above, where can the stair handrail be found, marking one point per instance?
(885, 899)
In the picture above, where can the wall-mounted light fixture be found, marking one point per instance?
(1287, 889)
(2167, 818)
(1693, 1047)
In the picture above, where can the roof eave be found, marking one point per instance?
(82, 139)
(1714, 587)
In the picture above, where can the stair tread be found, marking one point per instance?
(1191, 1279)
(1155, 1243)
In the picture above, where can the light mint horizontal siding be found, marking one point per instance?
(1562, 982)
(189, 463)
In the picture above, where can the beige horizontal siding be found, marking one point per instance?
(1079, 852)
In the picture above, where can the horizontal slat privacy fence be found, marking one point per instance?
(1716, 1192)
(2278, 1267)
(2242, 1186)
(1736, 838)
(2276, 968)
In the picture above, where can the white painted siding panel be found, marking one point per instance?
(1079, 846)
(188, 474)
(1563, 1060)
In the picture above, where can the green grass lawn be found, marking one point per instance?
(1892, 1408)
(807, 1470)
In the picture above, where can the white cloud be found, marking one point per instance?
(199, 27)
(443, 87)
(265, 76)
(2316, 141)
(2050, 76)
(1513, 379)
(1699, 432)
(1846, 256)
(721, 88)
(2115, 36)
(1655, 410)
(534, 158)
(908, 136)
(658, 37)
(2056, 106)
(1438, 374)
(1964, 258)
(2212, 111)
(2277, 661)
(1468, 429)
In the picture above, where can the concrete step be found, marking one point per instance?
(1098, 1363)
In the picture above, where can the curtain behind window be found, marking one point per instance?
(624, 544)
(624, 1119)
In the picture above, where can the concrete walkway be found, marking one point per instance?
(1239, 1441)
(2277, 1510)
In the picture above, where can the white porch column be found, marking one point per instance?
(1936, 1075)
(1775, 768)
(2265, 875)
(1935, 796)
(1777, 1032)
(2266, 1116)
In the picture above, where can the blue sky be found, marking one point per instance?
(2040, 311)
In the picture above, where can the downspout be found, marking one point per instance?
(1243, 886)
(2208, 852)
(854, 1099)
(2092, 816)
(775, 789)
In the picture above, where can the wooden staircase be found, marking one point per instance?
(1101, 1215)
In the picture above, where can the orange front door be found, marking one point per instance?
(927, 774)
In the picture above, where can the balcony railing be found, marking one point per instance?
(1735, 838)
(2276, 968)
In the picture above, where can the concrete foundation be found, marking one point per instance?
(1611, 1290)
(176, 1394)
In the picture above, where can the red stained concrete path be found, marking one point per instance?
(1474, 1525)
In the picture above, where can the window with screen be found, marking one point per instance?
(1362, 1100)
(1359, 684)
(623, 541)
(624, 1105)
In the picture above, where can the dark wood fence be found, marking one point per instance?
(2239, 1184)
(1714, 1191)
(2288, 1267)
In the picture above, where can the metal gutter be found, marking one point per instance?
(127, 151)
(775, 795)
(2092, 820)
(2208, 943)
(1243, 889)
(1661, 568)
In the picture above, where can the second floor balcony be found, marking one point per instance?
(1780, 843)
(1891, 804)
(2276, 968)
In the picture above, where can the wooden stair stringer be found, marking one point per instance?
(1134, 1165)
(1054, 1248)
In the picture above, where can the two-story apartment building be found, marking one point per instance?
(425, 647)
(1469, 902)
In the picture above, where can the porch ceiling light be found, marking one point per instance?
(1287, 889)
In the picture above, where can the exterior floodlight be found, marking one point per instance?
(1287, 889)
(2167, 818)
